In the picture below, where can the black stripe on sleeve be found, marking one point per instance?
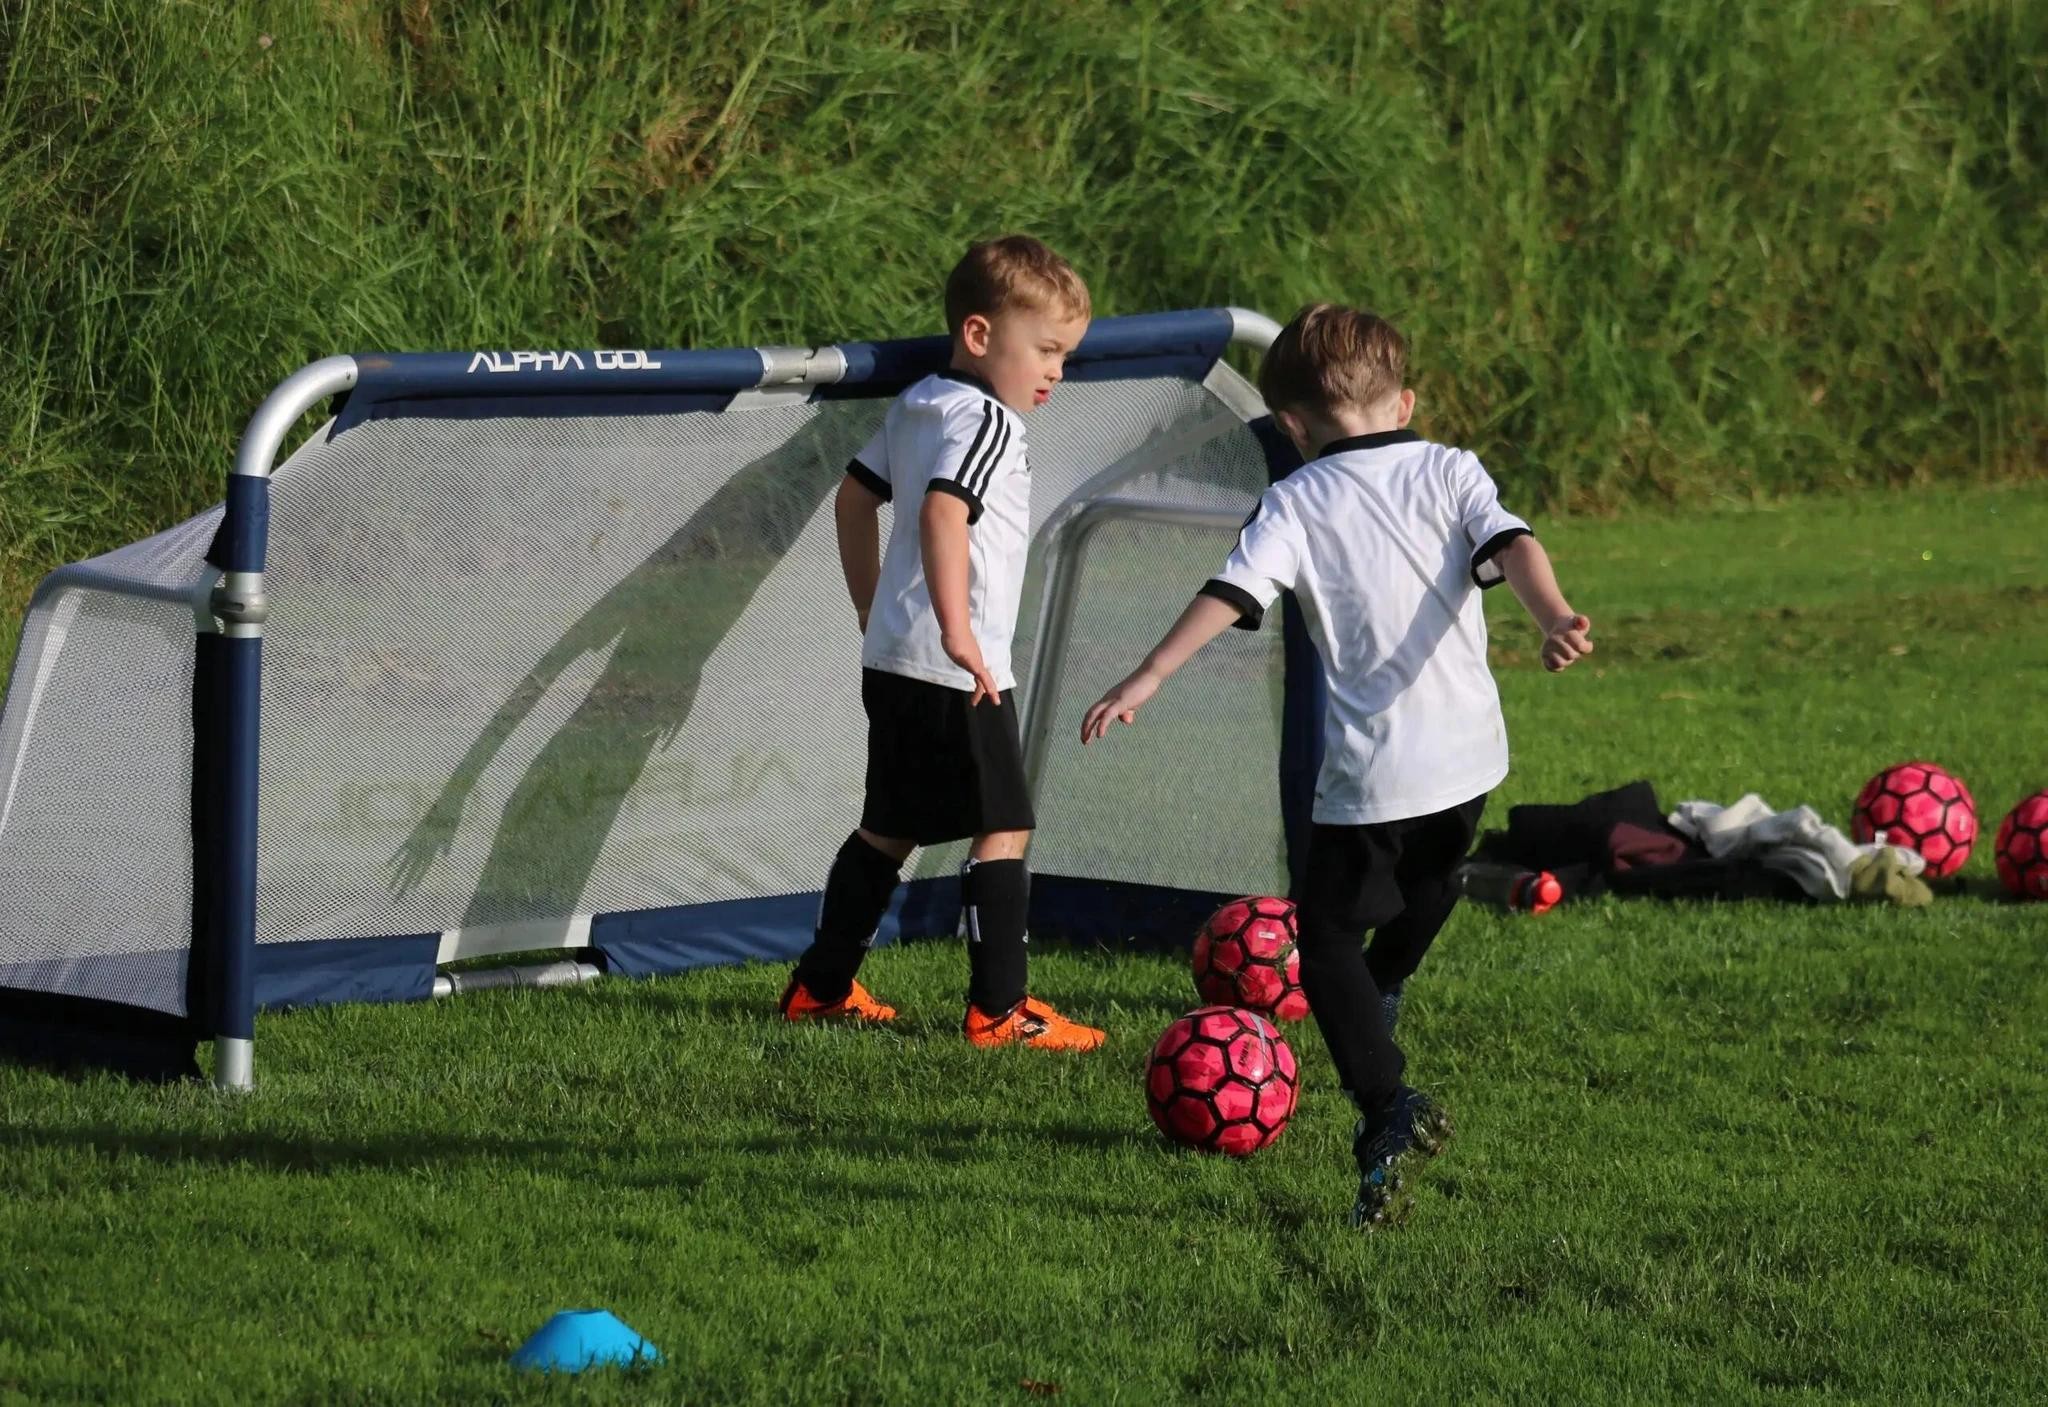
(986, 470)
(1249, 611)
(1249, 519)
(871, 481)
(1483, 558)
(960, 474)
(961, 492)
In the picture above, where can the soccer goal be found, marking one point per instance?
(538, 651)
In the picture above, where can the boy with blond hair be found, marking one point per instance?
(1386, 539)
(936, 614)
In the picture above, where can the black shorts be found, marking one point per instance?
(937, 769)
(1360, 877)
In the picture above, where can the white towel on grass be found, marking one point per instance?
(1796, 842)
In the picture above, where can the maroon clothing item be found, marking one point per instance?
(1633, 847)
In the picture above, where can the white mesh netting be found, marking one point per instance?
(523, 669)
(96, 777)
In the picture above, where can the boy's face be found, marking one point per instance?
(1022, 352)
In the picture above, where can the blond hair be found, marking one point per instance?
(1013, 271)
(1330, 357)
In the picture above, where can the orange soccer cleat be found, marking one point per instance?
(857, 1005)
(1030, 1022)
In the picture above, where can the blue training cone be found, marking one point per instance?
(576, 1339)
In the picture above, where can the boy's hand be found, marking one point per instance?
(964, 650)
(1119, 704)
(1568, 638)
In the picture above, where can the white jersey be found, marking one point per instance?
(1386, 540)
(948, 434)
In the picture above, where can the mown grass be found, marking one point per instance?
(1646, 251)
(1712, 1153)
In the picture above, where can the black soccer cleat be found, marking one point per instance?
(1410, 1129)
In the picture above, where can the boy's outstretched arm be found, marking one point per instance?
(942, 538)
(856, 512)
(1566, 634)
(1205, 618)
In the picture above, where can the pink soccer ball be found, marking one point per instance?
(2022, 849)
(1222, 1080)
(1921, 807)
(1245, 955)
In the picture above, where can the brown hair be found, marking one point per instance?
(1332, 356)
(1014, 271)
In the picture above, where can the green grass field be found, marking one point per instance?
(1649, 254)
(1705, 1153)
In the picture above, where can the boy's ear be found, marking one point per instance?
(974, 333)
(1405, 409)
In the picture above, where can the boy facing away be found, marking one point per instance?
(936, 613)
(1386, 539)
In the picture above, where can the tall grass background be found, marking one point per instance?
(1646, 250)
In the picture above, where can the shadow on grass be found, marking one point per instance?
(936, 1022)
(944, 1143)
(279, 1152)
(749, 993)
(930, 1168)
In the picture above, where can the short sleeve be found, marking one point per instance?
(1265, 562)
(975, 443)
(1488, 527)
(870, 468)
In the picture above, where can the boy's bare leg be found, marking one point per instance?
(897, 850)
(857, 894)
(995, 896)
(999, 845)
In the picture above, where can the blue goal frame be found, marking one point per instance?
(227, 695)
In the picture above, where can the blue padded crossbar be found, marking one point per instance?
(1183, 344)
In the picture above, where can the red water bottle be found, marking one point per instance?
(1510, 887)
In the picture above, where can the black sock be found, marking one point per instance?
(1346, 1004)
(857, 894)
(994, 897)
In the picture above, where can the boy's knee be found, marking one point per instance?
(1001, 845)
(896, 849)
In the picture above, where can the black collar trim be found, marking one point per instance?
(968, 378)
(1379, 440)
